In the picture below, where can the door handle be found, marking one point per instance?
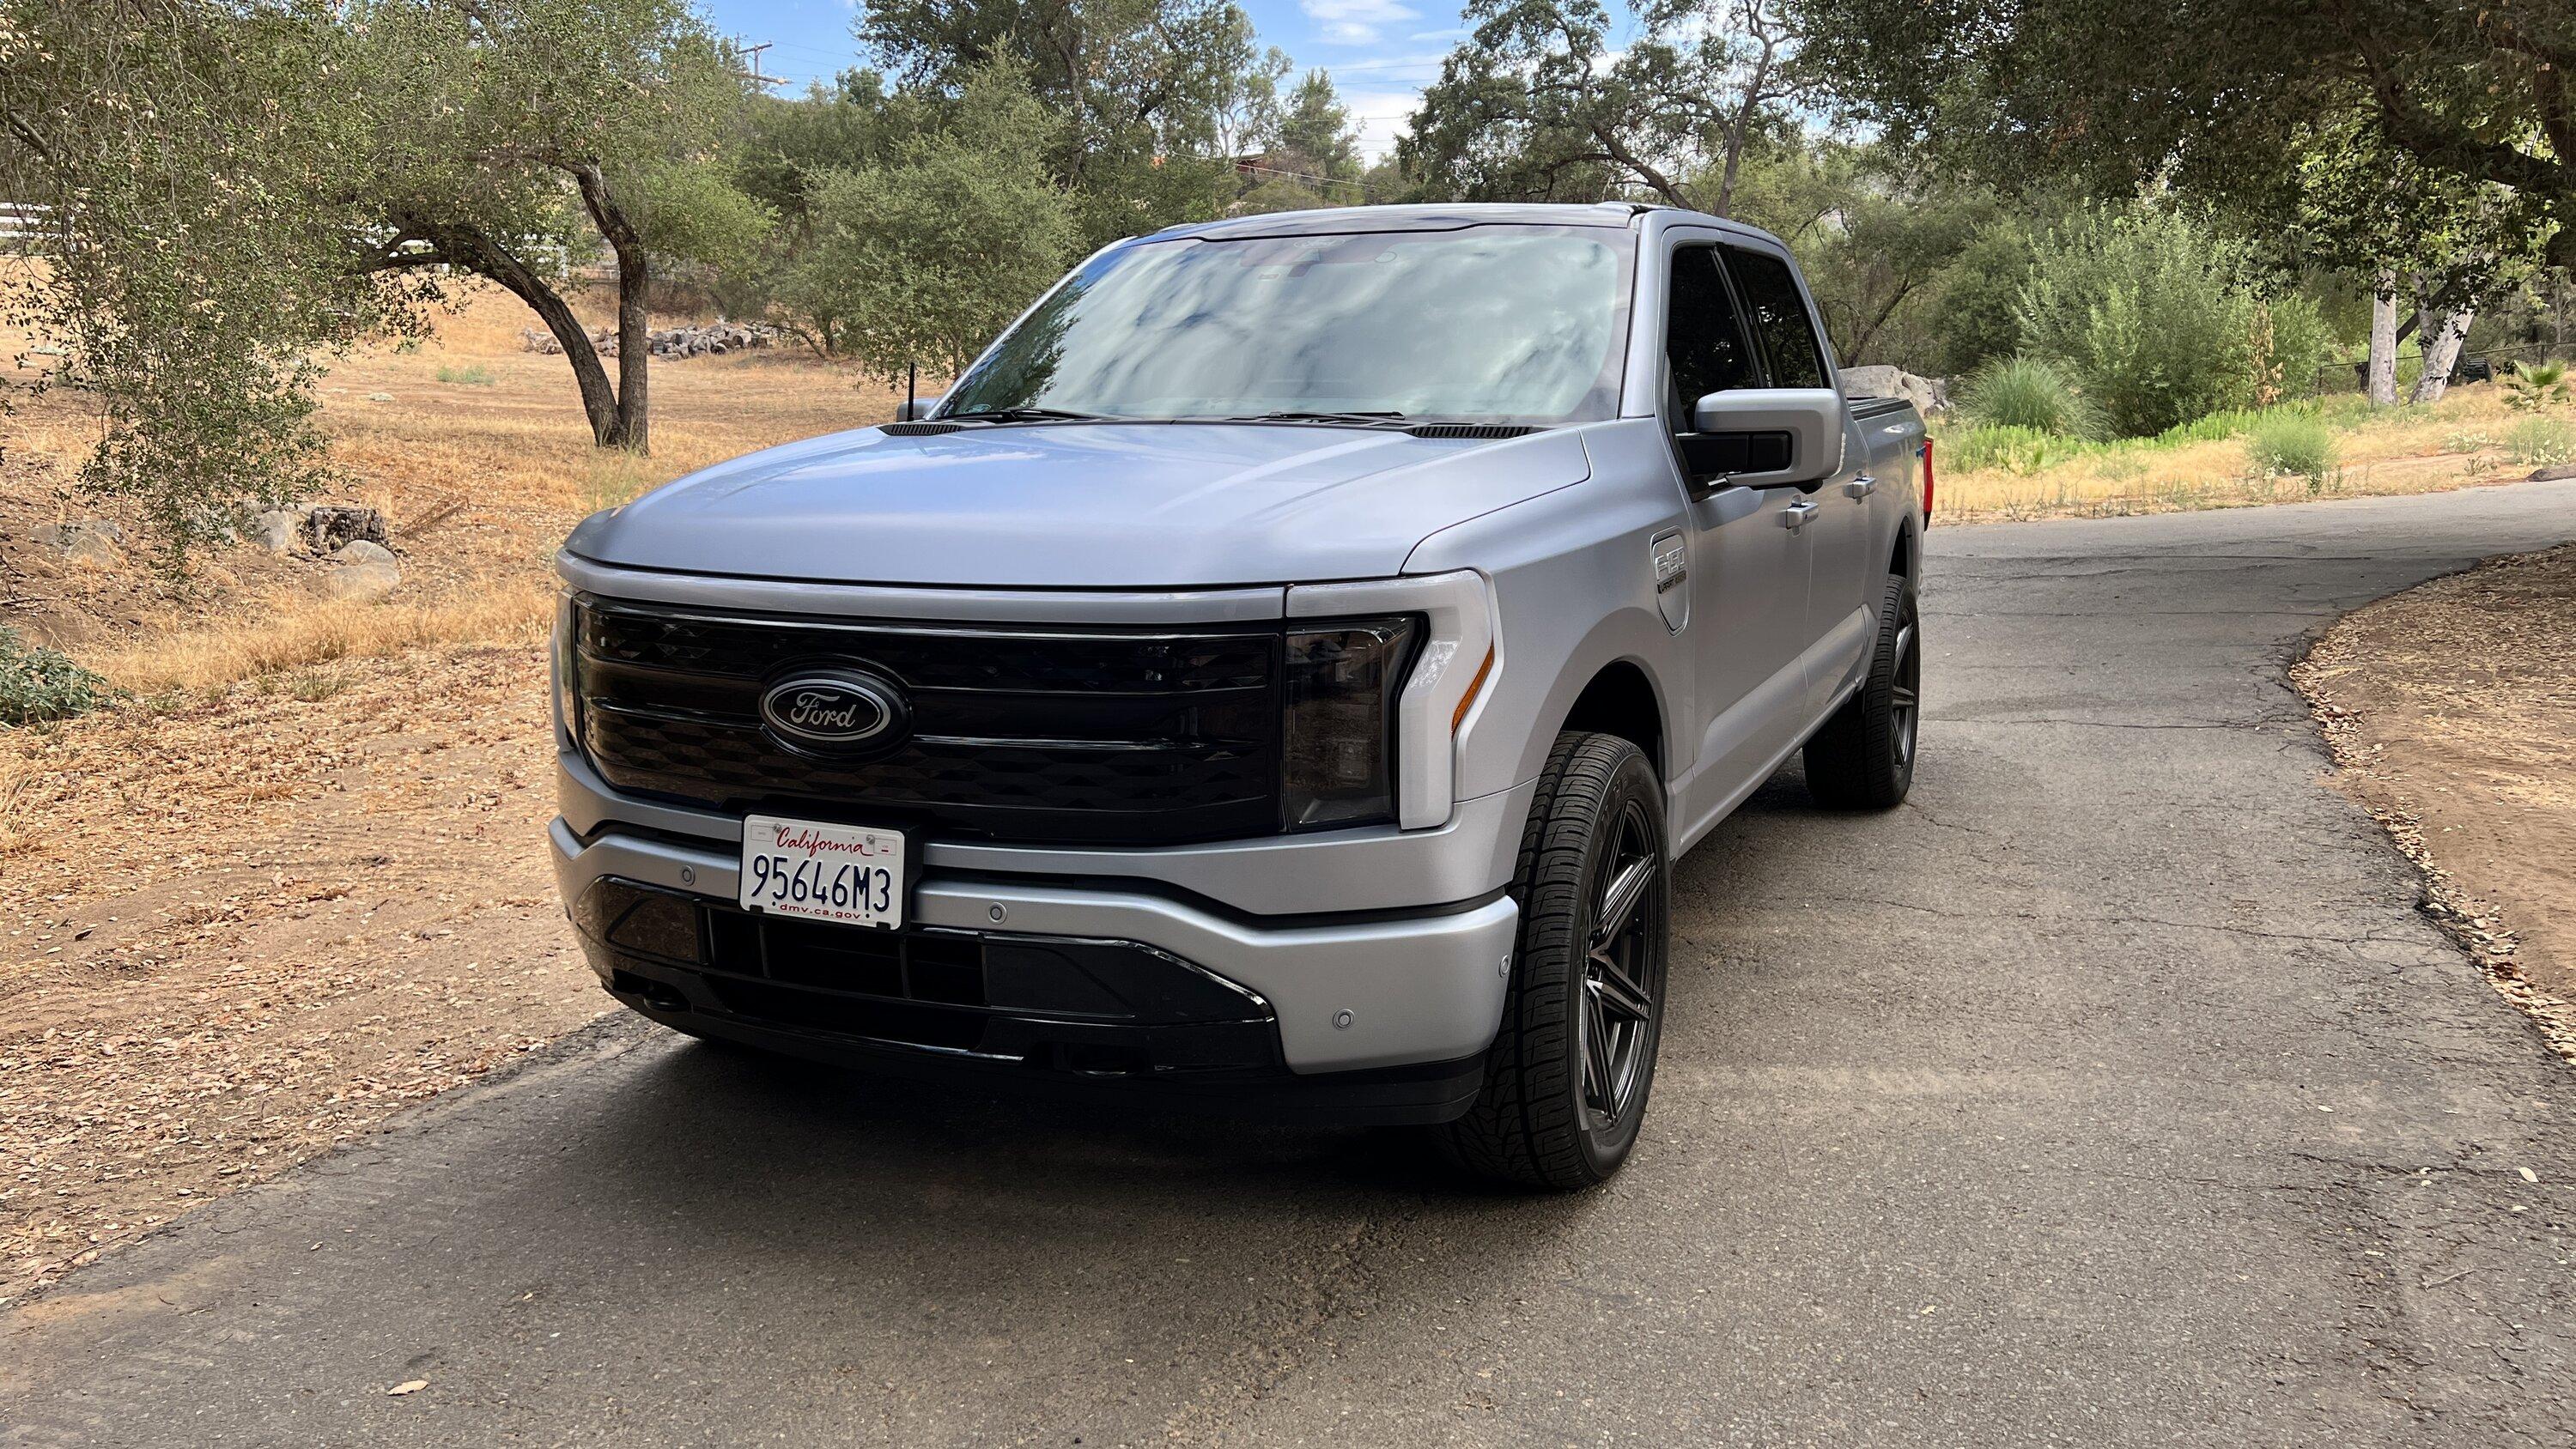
(1795, 516)
(1860, 487)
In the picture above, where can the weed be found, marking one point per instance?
(472, 374)
(39, 684)
(2541, 441)
(2292, 444)
(2468, 442)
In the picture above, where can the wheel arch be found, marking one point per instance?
(1620, 699)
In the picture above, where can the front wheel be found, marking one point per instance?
(1863, 758)
(1567, 1080)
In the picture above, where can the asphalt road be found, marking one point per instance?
(2112, 1092)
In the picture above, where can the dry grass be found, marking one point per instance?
(306, 632)
(2403, 450)
(481, 481)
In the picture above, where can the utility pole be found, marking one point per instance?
(747, 59)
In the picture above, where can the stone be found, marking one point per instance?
(2552, 473)
(361, 572)
(275, 529)
(91, 541)
(329, 525)
(380, 397)
(1928, 394)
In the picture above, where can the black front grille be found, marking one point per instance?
(1093, 736)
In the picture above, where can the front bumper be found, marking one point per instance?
(1355, 993)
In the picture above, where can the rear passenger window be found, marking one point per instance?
(1704, 345)
(1779, 317)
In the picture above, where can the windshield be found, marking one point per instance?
(1515, 323)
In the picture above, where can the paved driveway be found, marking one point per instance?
(2112, 1092)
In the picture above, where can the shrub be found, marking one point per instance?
(2532, 386)
(472, 374)
(2540, 441)
(2163, 320)
(39, 683)
(2023, 391)
(2292, 444)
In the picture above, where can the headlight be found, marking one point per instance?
(1338, 744)
(566, 678)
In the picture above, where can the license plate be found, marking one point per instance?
(824, 872)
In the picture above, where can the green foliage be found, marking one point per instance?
(2544, 442)
(39, 684)
(2220, 98)
(1565, 100)
(2010, 448)
(1978, 306)
(2291, 444)
(2532, 386)
(925, 257)
(191, 281)
(2030, 393)
(2164, 320)
(1144, 92)
(472, 374)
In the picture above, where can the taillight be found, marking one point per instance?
(1927, 482)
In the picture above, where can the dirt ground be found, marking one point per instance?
(298, 879)
(2450, 713)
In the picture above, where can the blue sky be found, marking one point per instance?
(1380, 53)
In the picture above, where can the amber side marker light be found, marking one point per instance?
(1475, 687)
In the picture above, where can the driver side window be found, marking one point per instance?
(1705, 350)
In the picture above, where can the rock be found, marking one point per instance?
(2552, 473)
(276, 528)
(380, 397)
(361, 571)
(87, 541)
(1928, 394)
(329, 525)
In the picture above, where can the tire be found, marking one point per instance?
(1594, 847)
(1863, 758)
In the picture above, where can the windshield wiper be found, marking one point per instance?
(1028, 415)
(1356, 419)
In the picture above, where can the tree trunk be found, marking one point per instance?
(470, 249)
(634, 326)
(2441, 352)
(2383, 342)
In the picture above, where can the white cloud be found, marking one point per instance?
(1354, 22)
(1381, 116)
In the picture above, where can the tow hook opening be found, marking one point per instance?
(659, 995)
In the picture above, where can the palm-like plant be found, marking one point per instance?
(2532, 386)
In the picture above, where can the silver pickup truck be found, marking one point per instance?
(1276, 677)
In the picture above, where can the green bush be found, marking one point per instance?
(472, 374)
(2543, 442)
(2163, 320)
(2289, 443)
(40, 683)
(2023, 391)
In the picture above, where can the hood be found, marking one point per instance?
(1130, 505)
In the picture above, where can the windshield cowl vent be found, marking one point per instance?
(1471, 430)
(920, 430)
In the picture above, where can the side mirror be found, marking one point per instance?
(915, 409)
(1767, 437)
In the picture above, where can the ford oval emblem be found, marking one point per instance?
(835, 709)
